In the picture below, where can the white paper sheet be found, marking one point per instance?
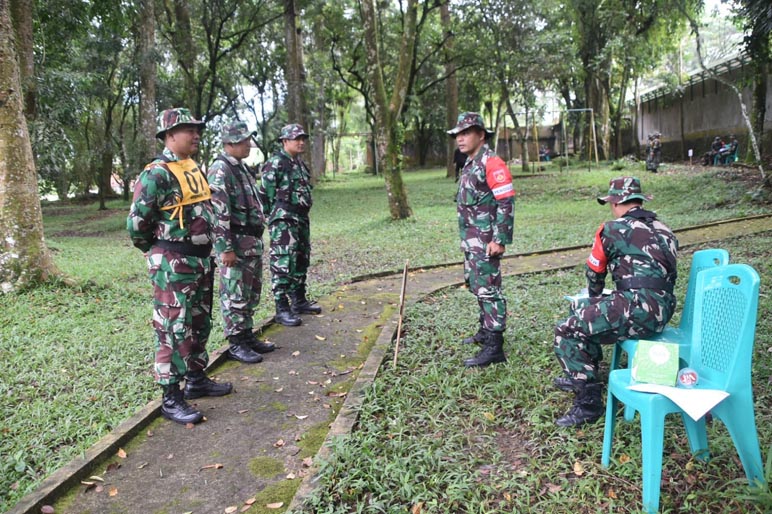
(695, 402)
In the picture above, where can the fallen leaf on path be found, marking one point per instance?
(417, 508)
(150, 433)
(276, 505)
(292, 372)
(113, 491)
(245, 508)
(311, 382)
(88, 484)
(279, 443)
(142, 465)
(326, 405)
(243, 411)
(112, 466)
(295, 353)
(578, 469)
(121, 453)
(553, 488)
(291, 476)
(170, 456)
(279, 390)
(308, 462)
(47, 509)
(321, 338)
(612, 494)
(189, 426)
(231, 509)
(624, 458)
(250, 501)
(211, 466)
(99, 488)
(359, 331)
(333, 394)
(97, 478)
(301, 417)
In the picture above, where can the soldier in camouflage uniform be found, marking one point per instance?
(170, 222)
(285, 193)
(486, 217)
(238, 242)
(640, 252)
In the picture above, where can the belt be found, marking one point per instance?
(300, 210)
(247, 230)
(185, 248)
(644, 283)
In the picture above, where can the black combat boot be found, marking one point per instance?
(492, 351)
(479, 337)
(240, 350)
(257, 345)
(588, 405)
(175, 408)
(197, 384)
(284, 315)
(564, 384)
(301, 305)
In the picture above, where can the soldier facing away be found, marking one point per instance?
(285, 193)
(170, 221)
(640, 252)
(238, 242)
(486, 216)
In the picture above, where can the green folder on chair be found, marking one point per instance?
(655, 362)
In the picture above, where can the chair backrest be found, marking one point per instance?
(701, 260)
(725, 304)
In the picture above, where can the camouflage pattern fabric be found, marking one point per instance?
(483, 218)
(181, 283)
(235, 132)
(292, 131)
(235, 204)
(240, 287)
(285, 193)
(171, 118)
(635, 245)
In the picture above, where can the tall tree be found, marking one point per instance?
(24, 257)
(21, 14)
(451, 87)
(148, 59)
(387, 109)
(295, 72)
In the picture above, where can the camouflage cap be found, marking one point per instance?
(466, 120)
(622, 189)
(171, 118)
(236, 132)
(292, 131)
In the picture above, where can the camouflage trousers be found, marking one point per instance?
(607, 320)
(240, 287)
(482, 275)
(290, 254)
(182, 307)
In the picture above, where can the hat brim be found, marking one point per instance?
(293, 138)
(457, 129)
(603, 200)
(248, 136)
(196, 123)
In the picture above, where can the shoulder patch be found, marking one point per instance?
(499, 178)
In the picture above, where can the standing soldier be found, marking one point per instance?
(640, 252)
(238, 242)
(486, 218)
(170, 222)
(285, 193)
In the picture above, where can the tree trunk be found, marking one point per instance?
(183, 36)
(147, 79)
(620, 111)
(24, 258)
(21, 14)
(388, 129)
(319, 129)
(451, 87)
(295, 73)
(596, 91)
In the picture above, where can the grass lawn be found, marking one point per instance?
(78, 359)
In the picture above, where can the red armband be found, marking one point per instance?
(499, 178)
(597, 260)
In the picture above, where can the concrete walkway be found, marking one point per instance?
(257, 445)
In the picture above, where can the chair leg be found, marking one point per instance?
(608, 429)
(740, 421)
(698, 437)
(652, 436)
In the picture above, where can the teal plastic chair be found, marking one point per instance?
(725, 304)
(701, 260)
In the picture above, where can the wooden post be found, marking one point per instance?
(401, 312)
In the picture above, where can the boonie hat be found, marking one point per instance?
(171, 118)
(466, 120)
(292, 131)
(236, 132)
(622, 189)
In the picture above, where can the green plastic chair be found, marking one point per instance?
(701, 260)
(725, 304)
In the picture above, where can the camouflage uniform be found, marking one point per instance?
(640, 252)
(285, 193)
(239, 229)
(486, 212)
(176, 240)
